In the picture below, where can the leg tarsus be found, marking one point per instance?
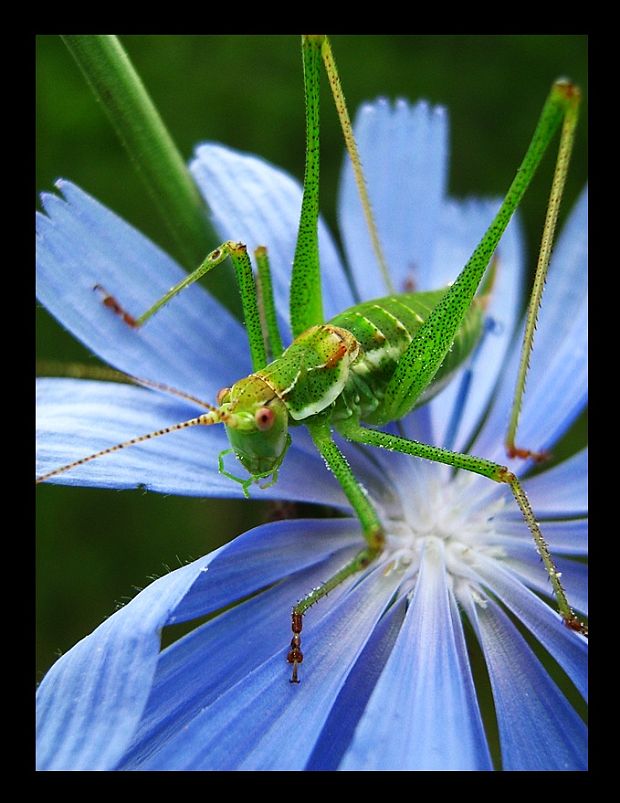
(574, 623)
(110, 302)
(363, 559)
(247, 289)
(295, 655)
(527, 454)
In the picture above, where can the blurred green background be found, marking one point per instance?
(96, 547)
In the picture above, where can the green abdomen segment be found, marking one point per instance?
(384, 329)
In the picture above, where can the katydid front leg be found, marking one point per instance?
(258, 336)
(372, 531)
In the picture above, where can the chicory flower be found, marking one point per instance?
(387, 682)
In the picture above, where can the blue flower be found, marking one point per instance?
(387, 682)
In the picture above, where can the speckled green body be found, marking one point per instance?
(345, 365)
(384, 329)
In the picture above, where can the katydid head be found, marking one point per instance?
(256, 422)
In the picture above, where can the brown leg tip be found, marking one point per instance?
(573, 623)
(527, 454)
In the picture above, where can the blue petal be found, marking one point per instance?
(350, 704)
(259, 204)
(266, 723)
(423, 713)
(539, 730)
(568, 649)
(563, 537)
(404, 153)
(229, 646)
(561, 491)
(278, 548)
(564, 300)
(76, 418)
(526, 564)
(90, 702)
(403, 150)
(406, 477)
(193, 344)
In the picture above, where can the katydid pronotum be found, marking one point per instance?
(371, 364)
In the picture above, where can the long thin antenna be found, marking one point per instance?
(77, 370)
(212, 417)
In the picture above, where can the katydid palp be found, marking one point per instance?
(369, 365)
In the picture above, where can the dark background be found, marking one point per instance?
(96, 547)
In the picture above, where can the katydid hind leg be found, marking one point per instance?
(426, 352)
(544, 255)
(306, 304)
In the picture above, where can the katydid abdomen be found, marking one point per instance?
(345, 364)
(384, 328)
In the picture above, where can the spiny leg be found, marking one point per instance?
(486, 468)
(351, 145)
(371, 530)
(482, 300)
(557, 189)
(75, 370)
(306, 307)
(306, 303)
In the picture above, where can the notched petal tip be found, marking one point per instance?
(382, 105)
(49, 201)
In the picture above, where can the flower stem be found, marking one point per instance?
(118, 87)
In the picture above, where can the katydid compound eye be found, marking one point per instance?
(264, 418)
(221, 395)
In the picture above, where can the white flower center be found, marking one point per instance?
(440, 508)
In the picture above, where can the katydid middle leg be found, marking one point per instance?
(486, 468)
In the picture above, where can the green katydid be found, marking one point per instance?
(371, 364)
